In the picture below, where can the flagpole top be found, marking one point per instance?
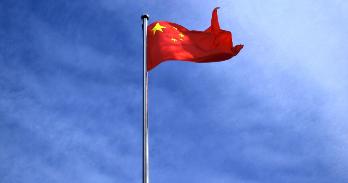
(145, 16)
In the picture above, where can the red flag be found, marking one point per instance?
(170, 41)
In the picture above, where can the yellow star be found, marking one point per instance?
(181, 35)
(157, 27)
(174, 40)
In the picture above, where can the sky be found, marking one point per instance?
(71, 94)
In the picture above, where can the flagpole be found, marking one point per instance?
(145, 18)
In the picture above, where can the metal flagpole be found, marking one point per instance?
(145, 18)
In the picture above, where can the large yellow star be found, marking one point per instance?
(157, 27)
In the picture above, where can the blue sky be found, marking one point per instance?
(71, 94)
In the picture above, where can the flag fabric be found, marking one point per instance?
(171, 41)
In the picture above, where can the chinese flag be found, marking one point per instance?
(170, 41)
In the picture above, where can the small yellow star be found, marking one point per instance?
(157, 27)
(174, 40)
(181, 35)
